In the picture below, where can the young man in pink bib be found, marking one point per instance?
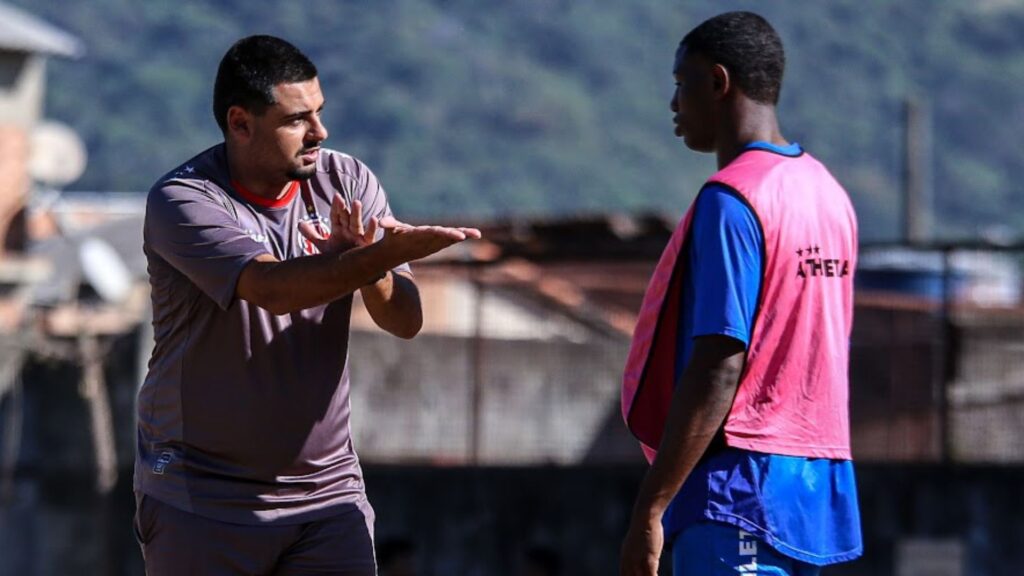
(736, 383)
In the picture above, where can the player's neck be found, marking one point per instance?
(249, 176)
(749, 122)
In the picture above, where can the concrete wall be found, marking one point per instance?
(539, 401)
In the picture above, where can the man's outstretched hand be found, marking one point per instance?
(415, 242)
(407, 242)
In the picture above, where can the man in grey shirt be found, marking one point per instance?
(255, 248)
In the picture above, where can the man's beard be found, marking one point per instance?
(303, 173)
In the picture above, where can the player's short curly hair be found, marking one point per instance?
(250, 70)
(748, 47)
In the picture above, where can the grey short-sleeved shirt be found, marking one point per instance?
(244, 415)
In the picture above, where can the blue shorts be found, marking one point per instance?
(712, 549)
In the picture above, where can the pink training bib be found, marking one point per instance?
(793, 394)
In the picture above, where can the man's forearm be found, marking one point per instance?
(394, 304)
(699, 406)
(288, 286)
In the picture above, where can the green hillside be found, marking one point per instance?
(557, 107)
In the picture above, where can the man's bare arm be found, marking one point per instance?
(394, 304)
(283, 287)
(700, 404)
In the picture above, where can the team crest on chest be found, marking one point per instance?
(321, 225)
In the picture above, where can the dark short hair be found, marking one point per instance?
(748, 47)
(249, 71)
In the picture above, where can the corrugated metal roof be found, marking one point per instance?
(23, 32)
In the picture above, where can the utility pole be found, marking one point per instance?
(919, 228)
(918, 200)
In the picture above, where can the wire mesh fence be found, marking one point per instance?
(937, 367)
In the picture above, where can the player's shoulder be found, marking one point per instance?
(202, 177)
(718, 201)
(204, 171)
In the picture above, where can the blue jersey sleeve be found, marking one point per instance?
(725, 265)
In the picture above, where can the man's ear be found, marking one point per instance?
(239, 123)
(720, 82)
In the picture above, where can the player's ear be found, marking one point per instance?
(239, 123)
(720, 81)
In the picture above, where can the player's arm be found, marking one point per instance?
(191, 229)
(392, 299)
(695, 416)
(394, 304)
(288, 286)
(726, 267)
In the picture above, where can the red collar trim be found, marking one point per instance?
(267, 202)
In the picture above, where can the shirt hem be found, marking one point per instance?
(252, 518)
(299, 513)
(730, 332)
(801, 450)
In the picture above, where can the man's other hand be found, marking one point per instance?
(641, 550)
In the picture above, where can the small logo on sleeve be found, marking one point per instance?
(256, 236)
(162, 462)
(812, 265)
